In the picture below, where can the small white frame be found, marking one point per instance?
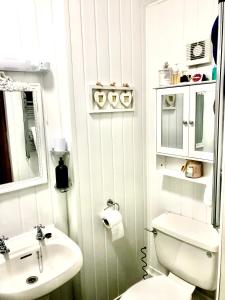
(108, 108)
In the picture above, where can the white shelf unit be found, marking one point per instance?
(171, 167)
(185, 84)
(108, 108)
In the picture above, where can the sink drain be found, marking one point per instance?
(32, 279)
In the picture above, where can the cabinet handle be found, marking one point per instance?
(191, 123)
(185, 123)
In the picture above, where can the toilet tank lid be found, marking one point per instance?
(188, 230)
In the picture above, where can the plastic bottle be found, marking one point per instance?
(214, 70)
(175, 75)
(61, 174)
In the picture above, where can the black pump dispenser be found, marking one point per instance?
(61, 174)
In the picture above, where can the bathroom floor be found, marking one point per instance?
(203, 295)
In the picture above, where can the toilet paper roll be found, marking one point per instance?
(112, 220)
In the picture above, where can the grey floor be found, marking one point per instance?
(203, 295)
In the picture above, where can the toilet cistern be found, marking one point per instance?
(188, 250)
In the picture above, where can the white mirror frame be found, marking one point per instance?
(8, 85)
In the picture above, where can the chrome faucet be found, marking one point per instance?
(40, 235)
(3, 247)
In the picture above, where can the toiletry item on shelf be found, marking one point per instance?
(204, 77)
(59, 146)
(184, 78)
(175, 74)
(196, 77)
(214, 71)
(165, 75)
(193, 169)
(61, 173)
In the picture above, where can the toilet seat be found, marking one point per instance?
(157, 288)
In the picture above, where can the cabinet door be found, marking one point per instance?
(201, 121)
(172, 120)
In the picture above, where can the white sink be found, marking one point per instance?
(61, 260)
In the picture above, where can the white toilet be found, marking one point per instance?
(188, 249)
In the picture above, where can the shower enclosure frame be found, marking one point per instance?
(218, 196)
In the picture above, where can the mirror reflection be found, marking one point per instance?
(203, 113)
(18, 142)
(172, 121)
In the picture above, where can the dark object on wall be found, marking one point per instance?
(61, 173)
(214, 38)
(5, 164)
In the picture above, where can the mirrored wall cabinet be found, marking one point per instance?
(185, 121)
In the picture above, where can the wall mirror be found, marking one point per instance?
(22, 140)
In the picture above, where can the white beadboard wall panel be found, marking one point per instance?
(166, 41)
(31, 29)
(88, 274)
(108, 147)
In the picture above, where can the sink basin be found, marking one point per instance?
(33, 269)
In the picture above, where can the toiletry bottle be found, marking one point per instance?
(214, 70)
(175, 75)
(165, 75)
(61, 174)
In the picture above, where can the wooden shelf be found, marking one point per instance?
(180, 175)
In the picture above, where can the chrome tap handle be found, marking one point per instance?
(40, 236)
(3, 247)
(3, 238)
(39, 226)
(154, 231)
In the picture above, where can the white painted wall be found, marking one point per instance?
(170, 24)
(109, 158)
(31, 28)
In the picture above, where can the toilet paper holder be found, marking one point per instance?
(111, 203)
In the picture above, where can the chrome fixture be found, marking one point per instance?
(154, 231)
(111, 203)
(3, 247)
(40, 235)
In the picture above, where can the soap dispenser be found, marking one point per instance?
(61, 173)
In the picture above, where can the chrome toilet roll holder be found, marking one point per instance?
(111, 203)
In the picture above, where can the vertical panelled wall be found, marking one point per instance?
(38, 29)
(31, 31)
(109, 162)
(170, 24)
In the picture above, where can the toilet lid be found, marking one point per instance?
(155, 288)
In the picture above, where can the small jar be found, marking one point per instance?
(165, 75)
